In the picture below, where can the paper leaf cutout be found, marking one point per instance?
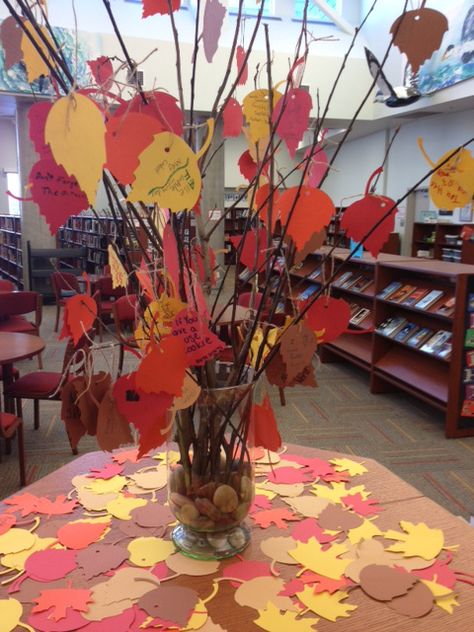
(326, 605)
(35, 65)
(324, 584)
(60, 600)
(167, 174)
(246, 570)
(324, 562)
(80, 312)
(233, 118)
(148, 551)
(265, 426)
(57, 194)
(241, 65)
(58, 507)
(117, 271)
(254, 251)
(214, 14)
(310, 528)
(291, 116)
(418, 34)
(200, 343)
(369, 552)
(75, 131)
(288, 476)
(256, 109)
(343, 465)
(7, 521)
(297, 347)
(318, 167)
(37, 115)
(257, 592)
(335, 518)
(50, 565)
(12, 611)
(329, 317)
(278, 517)
(363, 507)
(384, 583)
(417, 602)
(126, 138)
(152, 7)
(440, 572)
(163, 369)
(247, 166)
(26, 503)
(11, 35)
(183, 565)
(100, 558)
(272, 620)
(42, 621)
(277, 548)
(418, 540)
(122, 506)
(171, 604)
(102, 71)
(160, 105)
(109, 470)
(80, 534)
(308, 506)
(310, 209)
(361, 216)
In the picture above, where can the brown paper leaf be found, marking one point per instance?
(308, 506)
(277, 549)
(384, 583)
(418, 602)
(170, 603)
(257, 592)
(152, 515)
(113, 429)
(10, 36)
(187, 566)
(314, 243)
(366, 553)
(297, 347)
(336, 518)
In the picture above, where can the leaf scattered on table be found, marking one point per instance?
(272, 620)
(148, 551)
(354, 468)
(325, 605)
(257, 592)
(276, 548)
(50, 565)
(12, 611)
(418, 540)
(60, 600)
(384, 583)
(367, 507)
(324, 562)
(81, 533)
(278, 517)
(100, 558)
(109, 470)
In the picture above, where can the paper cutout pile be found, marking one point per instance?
(106, 560)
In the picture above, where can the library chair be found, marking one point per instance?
(125, 311)
(65, 285)
(46, 385)
(13, 308)
(7, 286)
(106, 296)
(9, 426)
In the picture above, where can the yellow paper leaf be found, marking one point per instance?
(311, 556)
(158, 319)
(257, 341)
(35, 64)
(12, 611)
(148, 551)
(151, 479)
(366, 531)
(336, 491)
(272, 620)
(17, 561)
(168, 174)
(16, 540)
(191, 392)
(122, 506)
(256, 109)
(447, 603)
(75, 131)
(438, 590)
(326, 605)
(117, 271)
(347, 465)
(198, 618)
(171, 457)
(109, 486)
(418, 540)
(263, 491)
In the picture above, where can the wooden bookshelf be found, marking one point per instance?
(443, 242)
(11, 257)
(234, 224)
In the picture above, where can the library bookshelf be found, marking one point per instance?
(11, 256)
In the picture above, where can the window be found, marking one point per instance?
(314, 13)
(251, 8)
(13, 185)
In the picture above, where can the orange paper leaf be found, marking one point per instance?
(60, 599)
(278, 517)
(80, 312)
(164, 367)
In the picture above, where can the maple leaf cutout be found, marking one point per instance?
(26, 503)
(362, 507)
(324, 562)
(272, 620)
(61, 599)
(343, 465)
(419, 540)
(274, 516)
(326, 605)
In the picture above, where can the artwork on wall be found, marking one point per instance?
(454, 61)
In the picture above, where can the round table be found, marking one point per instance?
(13, 348)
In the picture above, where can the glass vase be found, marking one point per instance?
(211, 485)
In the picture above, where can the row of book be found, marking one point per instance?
(358, 314)
(353, 281)
(417, 297)
(437, 343)
(467, 409)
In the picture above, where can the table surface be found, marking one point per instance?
(400, 501)
(15, 347)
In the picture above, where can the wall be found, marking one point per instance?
(8, 157)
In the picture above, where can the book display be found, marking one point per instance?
(441, 241)
(11, 257)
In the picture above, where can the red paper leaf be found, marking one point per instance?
(61, 599)
(214, 14)
(330, 316)
(264, 425)
(309, 528)
(312, 211)
(260, 502)
(325, 584)
(153, 435)
(11, 35)
(125, 139)
(124, 456)
(291, 588)
(438, 572)
(152, 7)
(58, 507)
(288, 476)
(50, 565)
(127, 621)
(80, 312)
(108, 471)
(102, 71)
(57, 194)
(254, 249)
(247, 166)
(197, 263)
(25, 503)
(7, 521)
(318, 166)
(278, 517)
(79, 535)
(262, 204)
(291, 116)
(162, 370)
(139, 408)
(160, 105)
(240, 60)
(37, 115)
(362, 215)
(318, 467)
(363, 507)
(233, 118)
(247, 570)
(200, 344)
(42, 622)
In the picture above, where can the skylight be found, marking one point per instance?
(314, 13)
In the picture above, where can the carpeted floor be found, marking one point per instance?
(399, 432)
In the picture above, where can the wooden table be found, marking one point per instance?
(13, 348)
(400, 500)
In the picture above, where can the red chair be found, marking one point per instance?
(106, 296)
(64, 286)
(14, 306)
(9, 425)
(7, 286)
(125, 311)
(42, 385)
(245, 299)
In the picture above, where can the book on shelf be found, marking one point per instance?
(390, 289)
(471, 320)
(344, 278)
(405, 332)
(447, 308)
(391, 325)
(434, 344)
(419, 337)
(280, 308)
(245, 274)
(314, 275)
(361, 283)
(469, 338)
(428, 300)
(415, 296)
(470, 302)
(469, 392)
(308, 291)
(359, 316)
(470, 358)
(402, 293)
(468, 377)
(354, 307)
(445, 350)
